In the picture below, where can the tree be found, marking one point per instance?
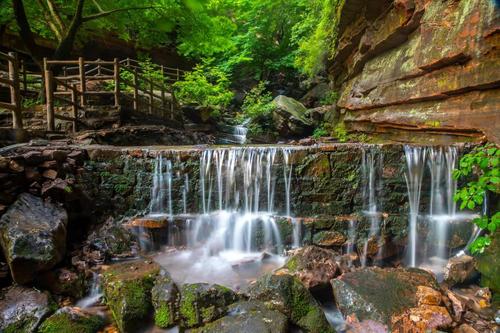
(64, 30)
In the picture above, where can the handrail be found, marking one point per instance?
(14, 103)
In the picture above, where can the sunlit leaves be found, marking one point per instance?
(481, 164)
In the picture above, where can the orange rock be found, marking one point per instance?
(428, 296)
(50, 174)
(148, 223)
(422, 319)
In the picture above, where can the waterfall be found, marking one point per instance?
(415, 162)
(237, 189)
(372, 163)
(94, 295)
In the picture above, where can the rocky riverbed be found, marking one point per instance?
(80, 252)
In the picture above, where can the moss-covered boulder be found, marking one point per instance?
(202, 303)
(313, 266)
(378, 294)
(285, 293)
(32, 236)
(248, 317)
(127, 288)
(72, 320)
(23, 309)
(488, 264)
(166, 298)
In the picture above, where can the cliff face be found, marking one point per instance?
(414, 69)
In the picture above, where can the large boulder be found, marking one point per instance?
(459, 270)
(23, 309)
(313, 266)
(202, 303)
(127, 288)
(248, 317)
(166, 298)
(32, 236)
(291, 117)
(378, 294)
(285, 293)
(72, 320)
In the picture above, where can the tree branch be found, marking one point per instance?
(48, 18)
(25, 30)
(57, 17)
(113, 11)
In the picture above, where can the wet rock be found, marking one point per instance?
(378, 294)
(202, 303)
(62, 281)
(464, 328)
(424, 318)
(329, 238)
(165, 297)
(488, 264)
(33, 236)
(248, 317)
(290, 117)
(460, 270)
(72, 320)
(288, 295)
(23, 309)
(313, 266)
(111, 240)
(127, 289)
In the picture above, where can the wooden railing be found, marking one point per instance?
(73, 76)
(11, 80)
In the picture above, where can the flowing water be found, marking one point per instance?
(235, 236)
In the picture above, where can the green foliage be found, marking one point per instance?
(257, 109)
(29, 102)
(207, 86)
(317, 37)
(330, 98)
(341, 132)
(481, 164)
(320, 132)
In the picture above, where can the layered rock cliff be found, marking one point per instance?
(415, 70)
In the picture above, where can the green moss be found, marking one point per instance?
(63, 323)
(164, 317)
(292, 264)
(187, 307)
(208, 314)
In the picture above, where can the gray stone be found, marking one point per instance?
(33, 236)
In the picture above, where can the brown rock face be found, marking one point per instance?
(420, 66)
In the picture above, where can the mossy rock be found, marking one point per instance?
(166, 298)
(202, 303)
(288, 295)
(248, 317)
(379, 293)
(488, 264)
(23, 309)
(72, 320)
(127, 288)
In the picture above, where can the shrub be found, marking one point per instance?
(330, 98)
(206, 86)
(320, 132)
(482, 165)
(257, 109)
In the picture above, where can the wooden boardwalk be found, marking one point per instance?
(72, 84)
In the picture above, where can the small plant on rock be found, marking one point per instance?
(257, 109)
(481, 165)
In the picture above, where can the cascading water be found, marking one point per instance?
(432, 165)
(372, 162)
(237, 221)
(415, 162)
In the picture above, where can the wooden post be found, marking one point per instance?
(163, 108)
(25, 77)
(117, 81)
(49, 97)
(83, 85)
(99, 66)
(172, 103)
(65, 74)
(151, 100)
(178, 74)
(136, 91)
(15, 95)
(74, 108)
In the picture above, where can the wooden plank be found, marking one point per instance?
(83, 83)
(6, 81)
(49, 97)
(116, 68)
(7, 106)
(15, 92)
(7, 57)
(62, 62)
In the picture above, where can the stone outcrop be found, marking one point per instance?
(32, 236)
(248, 317)
(291, 118)
(23, 309)
(379, 294)
(75, 320)
(413, 68)
(288, 295)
